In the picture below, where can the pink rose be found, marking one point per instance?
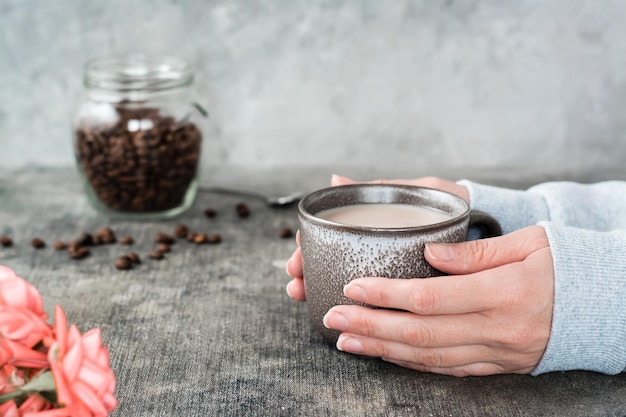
(83, 376)
(37, 359)
(22, 326)
(16, 292)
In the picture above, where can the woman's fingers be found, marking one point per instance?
(447, 357)
(483, 254)
(476, 369)
(431, 296)
(336, 180)
(295, 289)
(456, 360)
(454, 347)
(294, 264)
(411, 329)
(494, 276)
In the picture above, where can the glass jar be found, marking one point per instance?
(136, 139)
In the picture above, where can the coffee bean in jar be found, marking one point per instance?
(137, 136)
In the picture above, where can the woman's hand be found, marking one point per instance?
(492, 316)
(295, 288)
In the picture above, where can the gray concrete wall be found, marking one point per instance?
(430, 83)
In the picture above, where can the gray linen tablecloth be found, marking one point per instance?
(209, 330)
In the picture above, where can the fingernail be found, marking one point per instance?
(336, 321)
(355, 291)
(349, 344)
(287, 265)
(288, 290)
(440, 252)
(339, 180)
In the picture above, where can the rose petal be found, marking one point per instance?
(22, 325)
(60, 328)
(64, 392)
(34, 403)
(73, 362)
(15, 291)
(89, 398)
(21, 355)
(9, 409)
(93, 375)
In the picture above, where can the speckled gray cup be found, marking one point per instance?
(333, 254)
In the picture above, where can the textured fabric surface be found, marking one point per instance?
(209, 330)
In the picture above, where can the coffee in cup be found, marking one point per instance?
(385, 215)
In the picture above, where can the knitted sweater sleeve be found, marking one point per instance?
(586, 228)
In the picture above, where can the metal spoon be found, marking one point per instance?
(272, 201)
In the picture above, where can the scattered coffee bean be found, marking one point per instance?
(123, 263)
(106, 235)
(133, 257)
(200, 239)
(38, 243)
(73, 245)
(139, 169)
(78, 252)
(109, 239)
(164, 238)
(191, 237)
(181, 231)
(6, 241)
(127, 240)
(85, 239)
(242, 210)
(164, 247)
(210, 213)
(156, 254)
(214, 238)
(58, 245)
(286, 233)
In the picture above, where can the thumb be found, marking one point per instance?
(479, 255)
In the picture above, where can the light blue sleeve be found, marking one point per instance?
(586, 228)
(600, 206)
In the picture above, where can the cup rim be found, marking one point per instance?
(405, 187)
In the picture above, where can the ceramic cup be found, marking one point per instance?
(335, 253)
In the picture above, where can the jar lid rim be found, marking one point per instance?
(134, 72)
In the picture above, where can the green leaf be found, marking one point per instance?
(43, 383)
(10, 396)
